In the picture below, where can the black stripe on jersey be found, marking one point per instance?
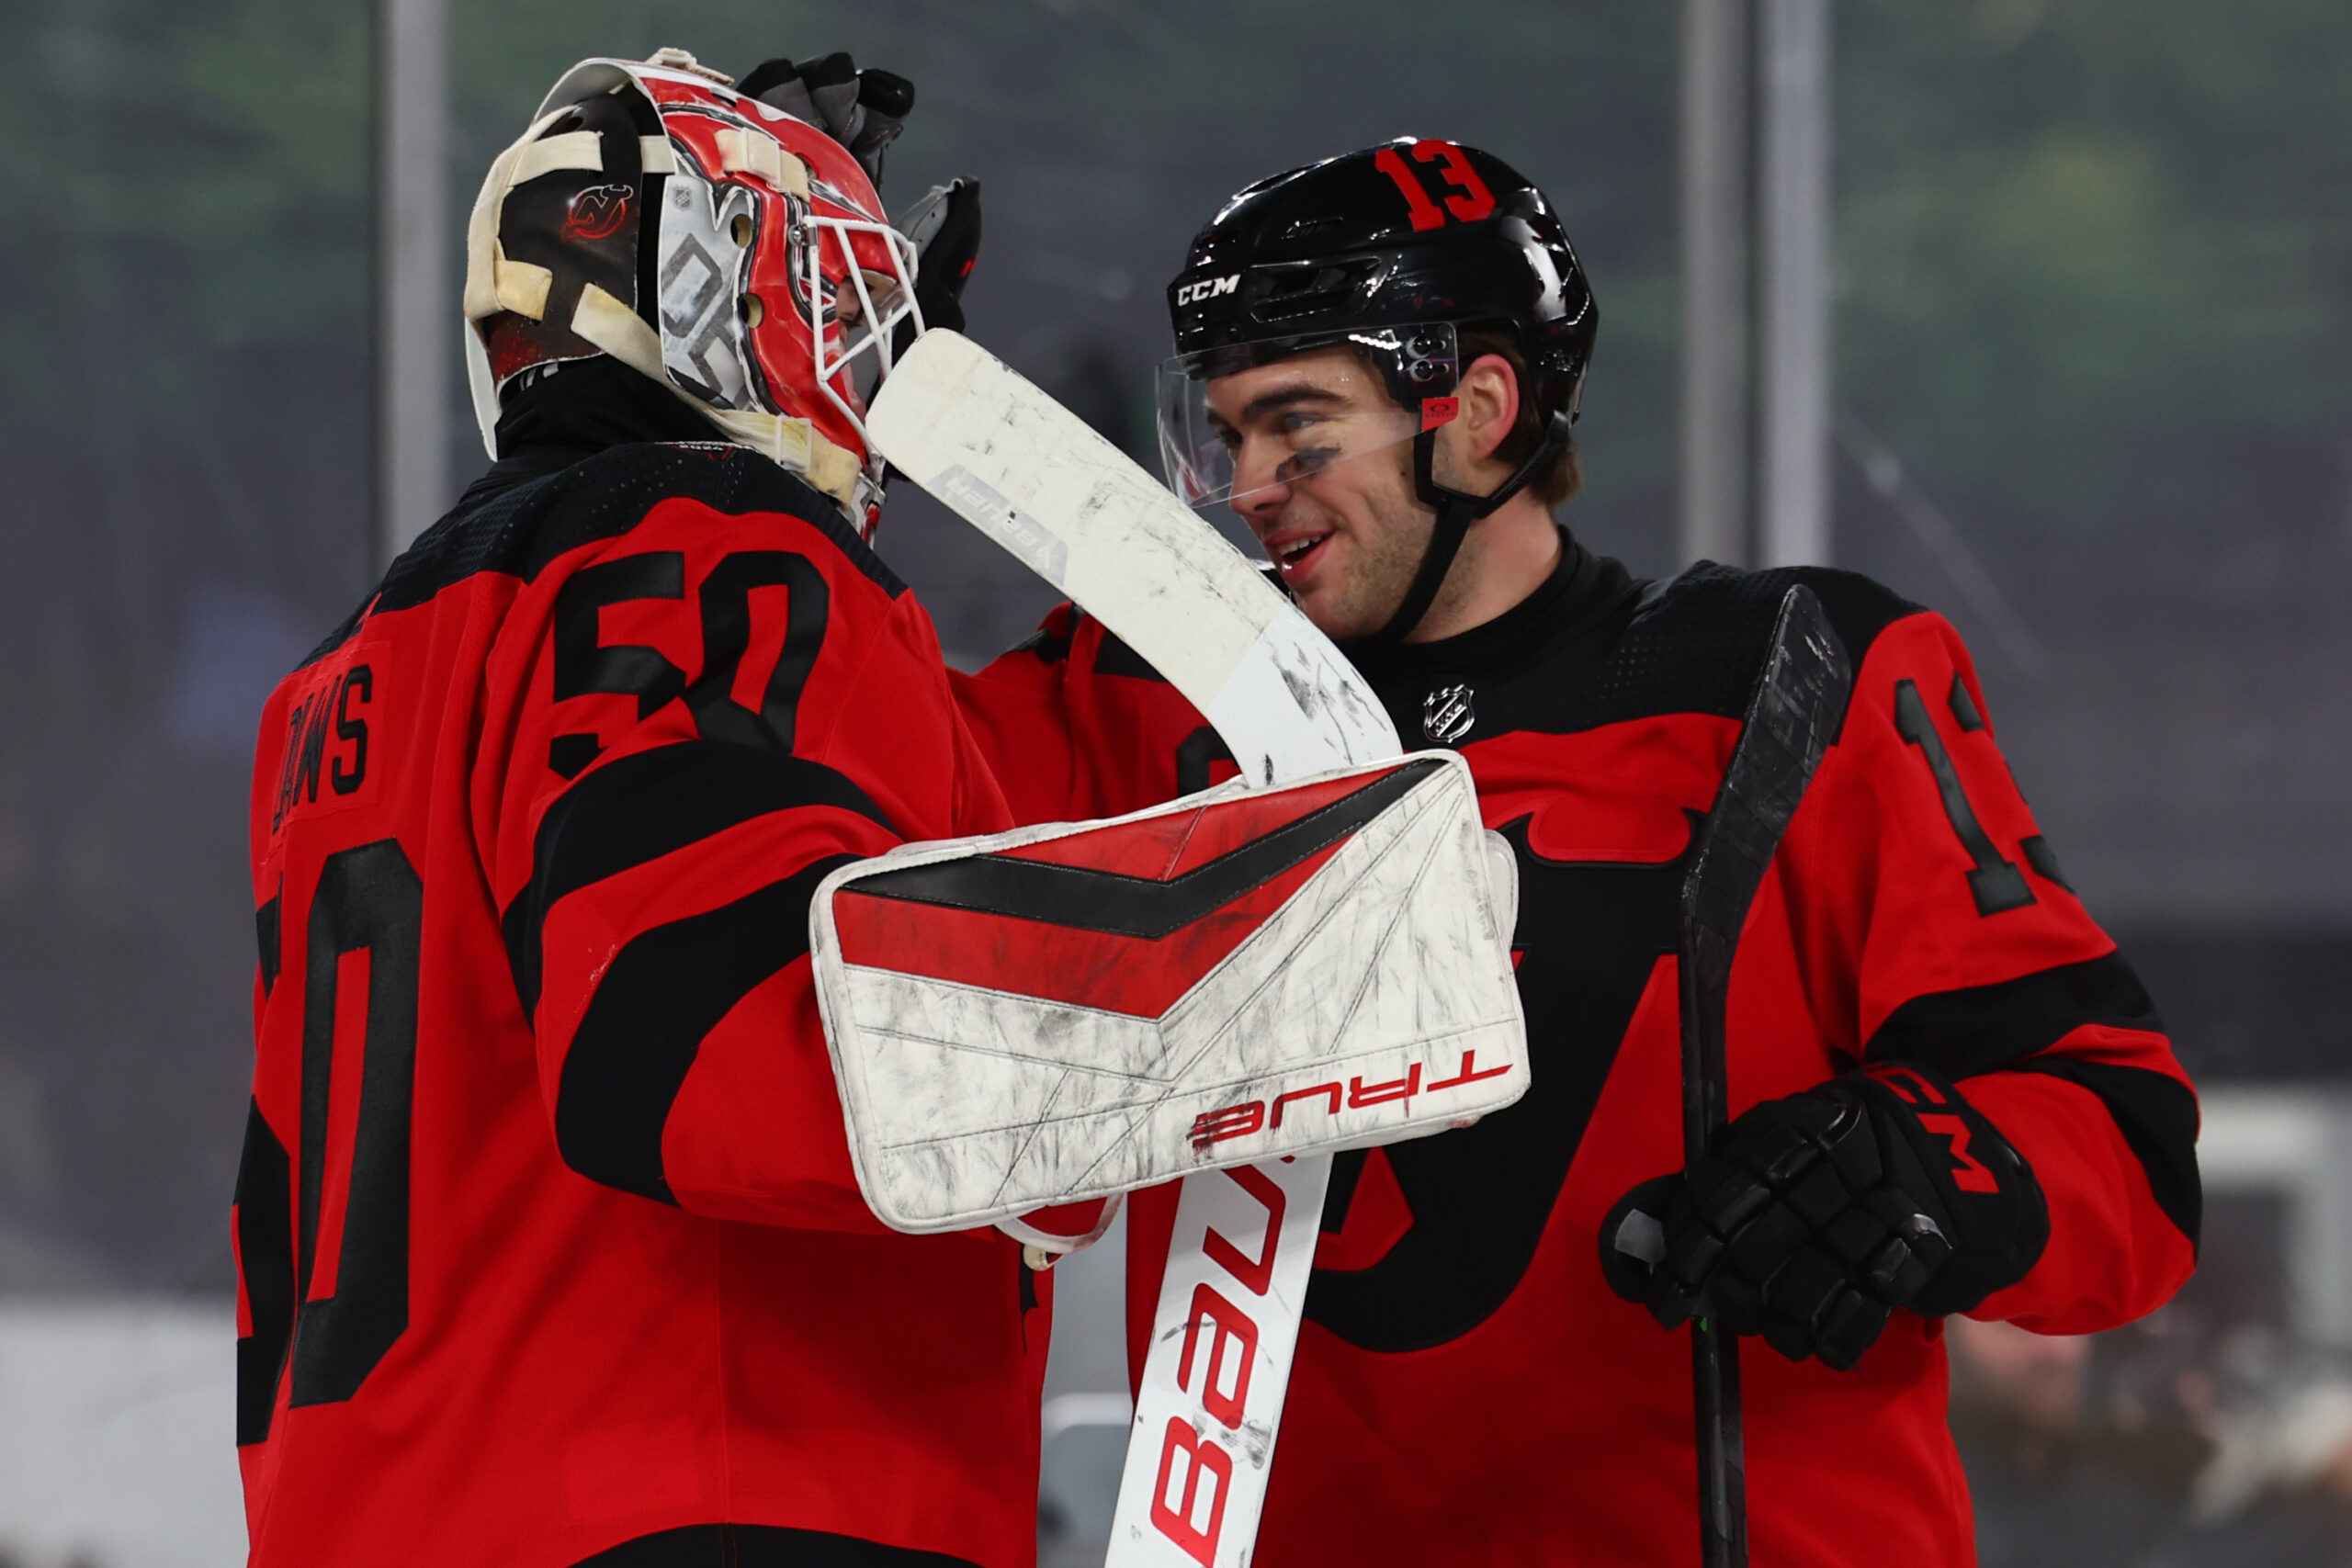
(664, 991)
(1984, 1029)
(2156, 1113)
(1980, 1029)
(762, 1546)
(1607, 655)
(1116, 658)
(1050, 646)
(644, 806)
(1697, 640)
(605, 496)
(521, 530)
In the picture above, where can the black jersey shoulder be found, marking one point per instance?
(1689, 644)
(1696, 642)
(520, 530)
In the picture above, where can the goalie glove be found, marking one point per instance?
(946, 226)
(1813, 1217)
(863, 110)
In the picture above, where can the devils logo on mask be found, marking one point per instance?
(596, 213)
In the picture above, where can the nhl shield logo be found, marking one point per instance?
(1446, 716)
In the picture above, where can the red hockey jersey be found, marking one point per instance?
(1468, 1389)
(547, 1233)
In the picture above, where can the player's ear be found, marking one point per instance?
(1488, 390)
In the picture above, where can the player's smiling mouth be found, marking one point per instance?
(1292, 555)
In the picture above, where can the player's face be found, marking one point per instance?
(1324, 481)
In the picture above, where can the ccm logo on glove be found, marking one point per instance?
(1813, 1218)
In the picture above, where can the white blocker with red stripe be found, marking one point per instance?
(1067, 1013)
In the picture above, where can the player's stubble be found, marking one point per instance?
(1384, 530)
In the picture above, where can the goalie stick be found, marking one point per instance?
(1077, 512)
(1080, 513)
(1798, 701)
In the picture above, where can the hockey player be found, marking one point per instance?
(549, 1248)
(1949, 1093)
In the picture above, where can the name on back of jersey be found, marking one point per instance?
(323, 759)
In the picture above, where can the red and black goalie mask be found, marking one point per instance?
(709, 241)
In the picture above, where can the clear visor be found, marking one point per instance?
(1237, 424)
(856, 342)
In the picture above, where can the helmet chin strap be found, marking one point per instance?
(1456, 509)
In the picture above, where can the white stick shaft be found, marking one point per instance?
(1078, 513)
(1210, 1402)
(1029, 474)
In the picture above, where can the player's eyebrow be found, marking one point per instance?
(1296, 392)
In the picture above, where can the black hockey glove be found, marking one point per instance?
(863, 110)
(946, 226)
(1814, 1216)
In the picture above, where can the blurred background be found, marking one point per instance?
(2086, 269)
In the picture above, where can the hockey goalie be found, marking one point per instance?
(577, 1224)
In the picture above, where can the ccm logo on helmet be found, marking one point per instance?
(1207, 288)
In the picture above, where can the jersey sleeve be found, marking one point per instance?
(691, 724)
(1933, 924)
(1076, 726)
(1018, 708)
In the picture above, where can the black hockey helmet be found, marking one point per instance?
(1365, 248)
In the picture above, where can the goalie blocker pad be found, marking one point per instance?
(1069, 1011)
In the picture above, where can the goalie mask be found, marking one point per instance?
(706, 240)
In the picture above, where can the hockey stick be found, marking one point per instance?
(1799, 702)
(1074, 509)
(1081, 514)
